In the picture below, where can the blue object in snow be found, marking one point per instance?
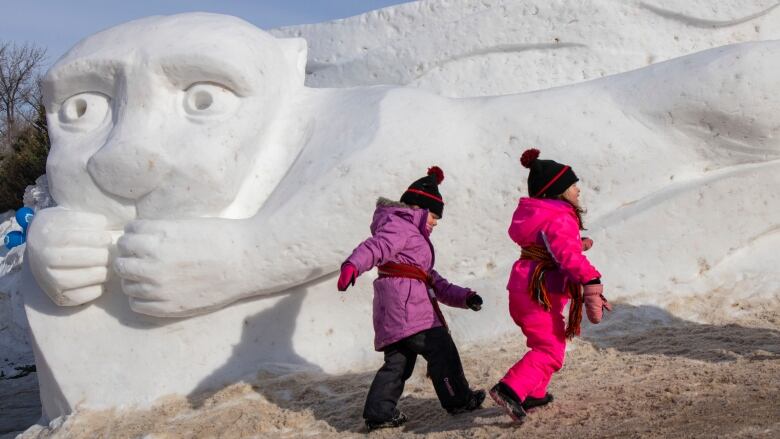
(24, 216)
(17, 238)
(13, 239)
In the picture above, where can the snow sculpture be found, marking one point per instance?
(193, 170)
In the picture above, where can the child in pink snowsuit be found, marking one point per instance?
(552, 269)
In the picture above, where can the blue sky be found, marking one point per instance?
(59, 24)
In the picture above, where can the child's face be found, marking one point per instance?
(572, 194)
(433, 219)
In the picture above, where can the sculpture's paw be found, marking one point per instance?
(68, 252)
(179, 267)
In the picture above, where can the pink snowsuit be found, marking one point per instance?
(552, 224)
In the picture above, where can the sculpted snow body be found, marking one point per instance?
(155, 137)
(192, 169)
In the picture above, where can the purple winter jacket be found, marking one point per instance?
(401, 305)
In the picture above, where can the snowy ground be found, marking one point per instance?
(643, 373)
(20, 405)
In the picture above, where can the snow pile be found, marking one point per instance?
(14, 345)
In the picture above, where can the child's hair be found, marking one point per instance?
(578, 210)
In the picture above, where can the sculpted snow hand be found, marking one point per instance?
(70, 255)
(161, 280)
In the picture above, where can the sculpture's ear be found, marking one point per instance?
(294, 50)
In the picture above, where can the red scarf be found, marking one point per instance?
(397, 269)
(538, 289)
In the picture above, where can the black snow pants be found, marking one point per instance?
(444, 369)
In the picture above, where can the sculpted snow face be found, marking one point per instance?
(162, 118)
(168, 123)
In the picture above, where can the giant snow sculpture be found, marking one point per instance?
(206, 197)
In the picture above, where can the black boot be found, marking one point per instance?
(398, 420)
(504, 396)
(474, 402)
(531, 402)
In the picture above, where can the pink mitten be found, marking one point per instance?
(595, 301)
(348, 275)
(587, 243)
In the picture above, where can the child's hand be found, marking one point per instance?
(595, 302)
(587, 243)
(348, 275)
(474, 302)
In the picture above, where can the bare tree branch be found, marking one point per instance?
(33, 101)
(19, 72)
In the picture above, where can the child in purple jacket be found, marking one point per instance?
(407, 318)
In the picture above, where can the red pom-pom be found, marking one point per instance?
(528, 157)
(437, 172)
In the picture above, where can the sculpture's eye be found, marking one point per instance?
(84, 111)
(206, 99)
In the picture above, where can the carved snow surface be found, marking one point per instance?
(477, 48)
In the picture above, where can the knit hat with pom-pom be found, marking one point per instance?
(547, 178)
(425, 192)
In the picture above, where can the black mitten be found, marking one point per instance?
(474, 302)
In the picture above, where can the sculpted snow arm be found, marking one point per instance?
(179, 268)
(182, 267)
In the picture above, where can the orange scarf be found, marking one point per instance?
(539, 292)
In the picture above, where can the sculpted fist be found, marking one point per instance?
(177, 268)
(68, 252)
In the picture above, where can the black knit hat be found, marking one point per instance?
(425, 192)
(547, 178)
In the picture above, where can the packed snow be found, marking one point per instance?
(482, 48)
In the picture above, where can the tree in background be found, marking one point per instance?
(27, 162)
(19, 86)
(24, 139)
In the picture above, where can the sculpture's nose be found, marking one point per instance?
(131, 163)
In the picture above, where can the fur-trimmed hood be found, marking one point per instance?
(386, 202)
(391, 210)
